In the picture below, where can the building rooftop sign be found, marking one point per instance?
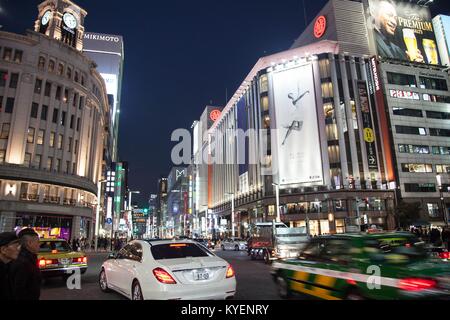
(320, 27)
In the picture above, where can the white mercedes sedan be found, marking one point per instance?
(235, 244)
(168, 270)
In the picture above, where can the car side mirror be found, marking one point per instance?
(112, 256)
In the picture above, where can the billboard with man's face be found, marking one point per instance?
(403, 31)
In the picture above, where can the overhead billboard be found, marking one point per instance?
(298, 152)
(403, 31)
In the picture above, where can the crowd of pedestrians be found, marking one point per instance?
(434, 236)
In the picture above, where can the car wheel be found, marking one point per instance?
(283, 288)
(266, 258)
(236, 248)
(223, 248)
(136, 291)
(103, 281)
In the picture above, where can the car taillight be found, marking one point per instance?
(414, 284)
(41, 263)
(444, 255)
(163, 276)
(230, 272)
(80, 260)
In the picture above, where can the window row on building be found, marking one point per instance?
(421, 149)
(425, 168)
(419, 113)
(38, 137)
(52, 163)
(421, 131)
(409, 80)
(69, 96)
(60, 68)
(11, 55)
(47, 193)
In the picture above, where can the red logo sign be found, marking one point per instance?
(215, 115)
(320, 27)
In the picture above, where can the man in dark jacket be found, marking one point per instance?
(9, 251)
(25, 274)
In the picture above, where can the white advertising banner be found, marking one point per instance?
(112, 87)
(298, 148)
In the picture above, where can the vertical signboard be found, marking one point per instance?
(368, 128)
(403, 31)
(298, 155)
(383, 121)
(242, 143)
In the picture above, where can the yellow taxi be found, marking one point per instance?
(56, 258)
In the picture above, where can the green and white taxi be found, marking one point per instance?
(385, 266)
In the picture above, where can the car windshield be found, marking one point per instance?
(411, 247)
(51, 246)
(178, 251)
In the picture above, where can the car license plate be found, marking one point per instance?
(201, 276)
(65, 262)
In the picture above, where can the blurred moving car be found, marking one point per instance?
(440, 253)
(168, 270)
(384, 266)
(56, 258)
(235, 244)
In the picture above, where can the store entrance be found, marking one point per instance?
(47, 226)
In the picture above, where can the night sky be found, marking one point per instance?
(179, 56)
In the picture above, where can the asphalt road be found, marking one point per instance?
(253, 280)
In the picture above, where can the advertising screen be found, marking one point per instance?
(403, 31)
(298, 145)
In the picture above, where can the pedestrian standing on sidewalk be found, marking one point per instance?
(9, 252)
(25, 273)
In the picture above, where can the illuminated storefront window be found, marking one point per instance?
(340, 226)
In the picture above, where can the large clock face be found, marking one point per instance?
(69, 20)
(46, 17)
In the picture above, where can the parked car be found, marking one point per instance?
(168, 270)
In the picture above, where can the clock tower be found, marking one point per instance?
(62, 20)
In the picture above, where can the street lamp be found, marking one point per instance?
(232, 213)
(277, 195)
(441, 197)
(97, 214)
